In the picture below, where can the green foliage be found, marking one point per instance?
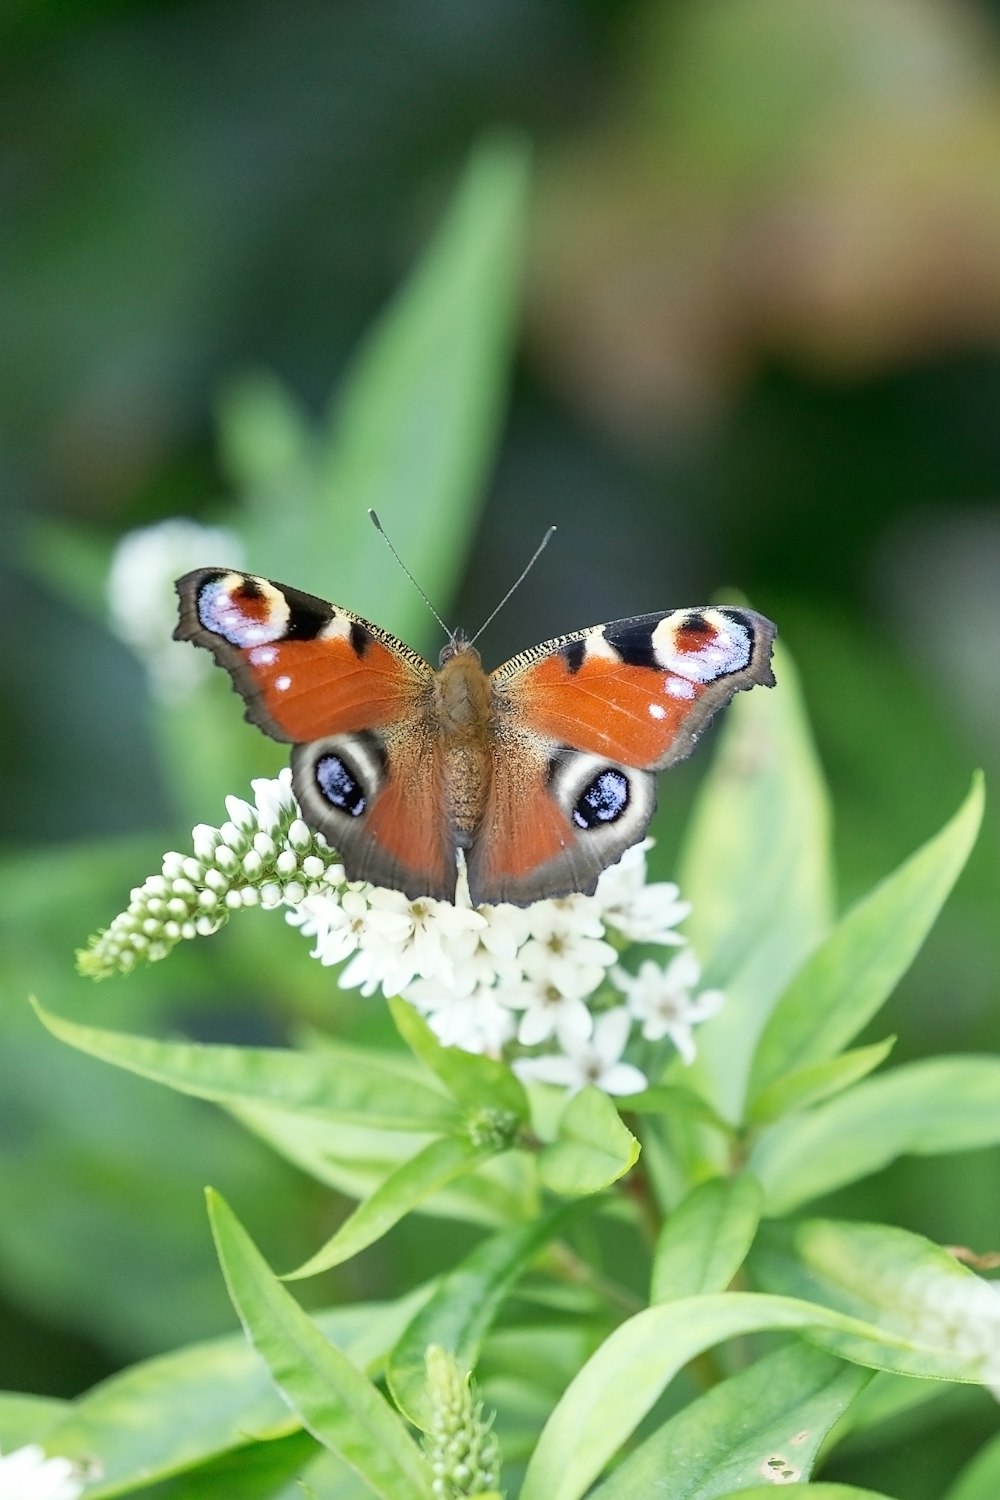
(582, 1209)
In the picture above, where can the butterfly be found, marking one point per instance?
(541, 771)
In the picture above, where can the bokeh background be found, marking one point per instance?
(759, 347)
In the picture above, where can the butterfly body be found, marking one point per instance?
(541, 771)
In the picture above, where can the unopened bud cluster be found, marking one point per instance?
(460, 1444)
(263, 855)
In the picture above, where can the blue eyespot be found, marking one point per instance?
(603, 801)
(339, 785)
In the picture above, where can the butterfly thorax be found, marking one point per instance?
(463, 707)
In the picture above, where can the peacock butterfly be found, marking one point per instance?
(542, 771)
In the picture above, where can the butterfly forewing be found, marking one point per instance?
(354, 702)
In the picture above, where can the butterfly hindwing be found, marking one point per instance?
(352, 699)
(582, 722)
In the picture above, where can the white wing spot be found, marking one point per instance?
(657, 711)
(283, 683)
(263, 656)
(677, 687)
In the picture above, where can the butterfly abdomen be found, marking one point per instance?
(463, 706)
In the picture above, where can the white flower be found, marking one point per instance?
(26, 1474)
(549, 1009)
(596, 1060)
(661, 998)
(403, 940)
(142, 604)
(476, 1022)
(640, 912)
(567, 946)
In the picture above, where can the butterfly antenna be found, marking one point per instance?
(515, 586)
(381, 529)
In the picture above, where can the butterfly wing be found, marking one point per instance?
(353, 700)
(583, 722)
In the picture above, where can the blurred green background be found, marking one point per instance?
(759, 347)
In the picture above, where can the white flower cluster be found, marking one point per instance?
(26, 1474)
(542, 984)
(142, 603)
(263, 855)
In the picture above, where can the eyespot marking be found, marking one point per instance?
(244, 611)
(339, 786)
(720, 646)
(603, 800)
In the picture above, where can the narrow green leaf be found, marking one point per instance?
(705, 1240)
(335, 1083)
(767, 1420)
(464, 1306)
(673, 1099)
(818, 1492)
(620, 1382)
(335, 1401)
(927, 1108)
(816, 1082)
(356, 1161)
(26, 1419)
(475, 1082)
(259, 1471)
(418, 416)
(592, 1149)
(756, 868)
(888, 1276)
(425, 1173)
(178, 1411)
(846, 981)
(980, 1479)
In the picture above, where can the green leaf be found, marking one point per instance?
(592, 1149)
(888, 1276)
(334, 1083)
(170, 1414)
(980, 1479)
(818, 1492)
(475, 1082)
(335, 1401)
(705, 1240)
(845, 982)
(26, 1419)
(817, 1081)
(419, 415)
(425, 1173)
(464, 1306)
(356, 1161)
(927, 1108)
(673, 1099)
(776, 1413)
(627, 1374)
(260, 1471)
(756, 868)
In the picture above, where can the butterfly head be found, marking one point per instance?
(458, 645)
